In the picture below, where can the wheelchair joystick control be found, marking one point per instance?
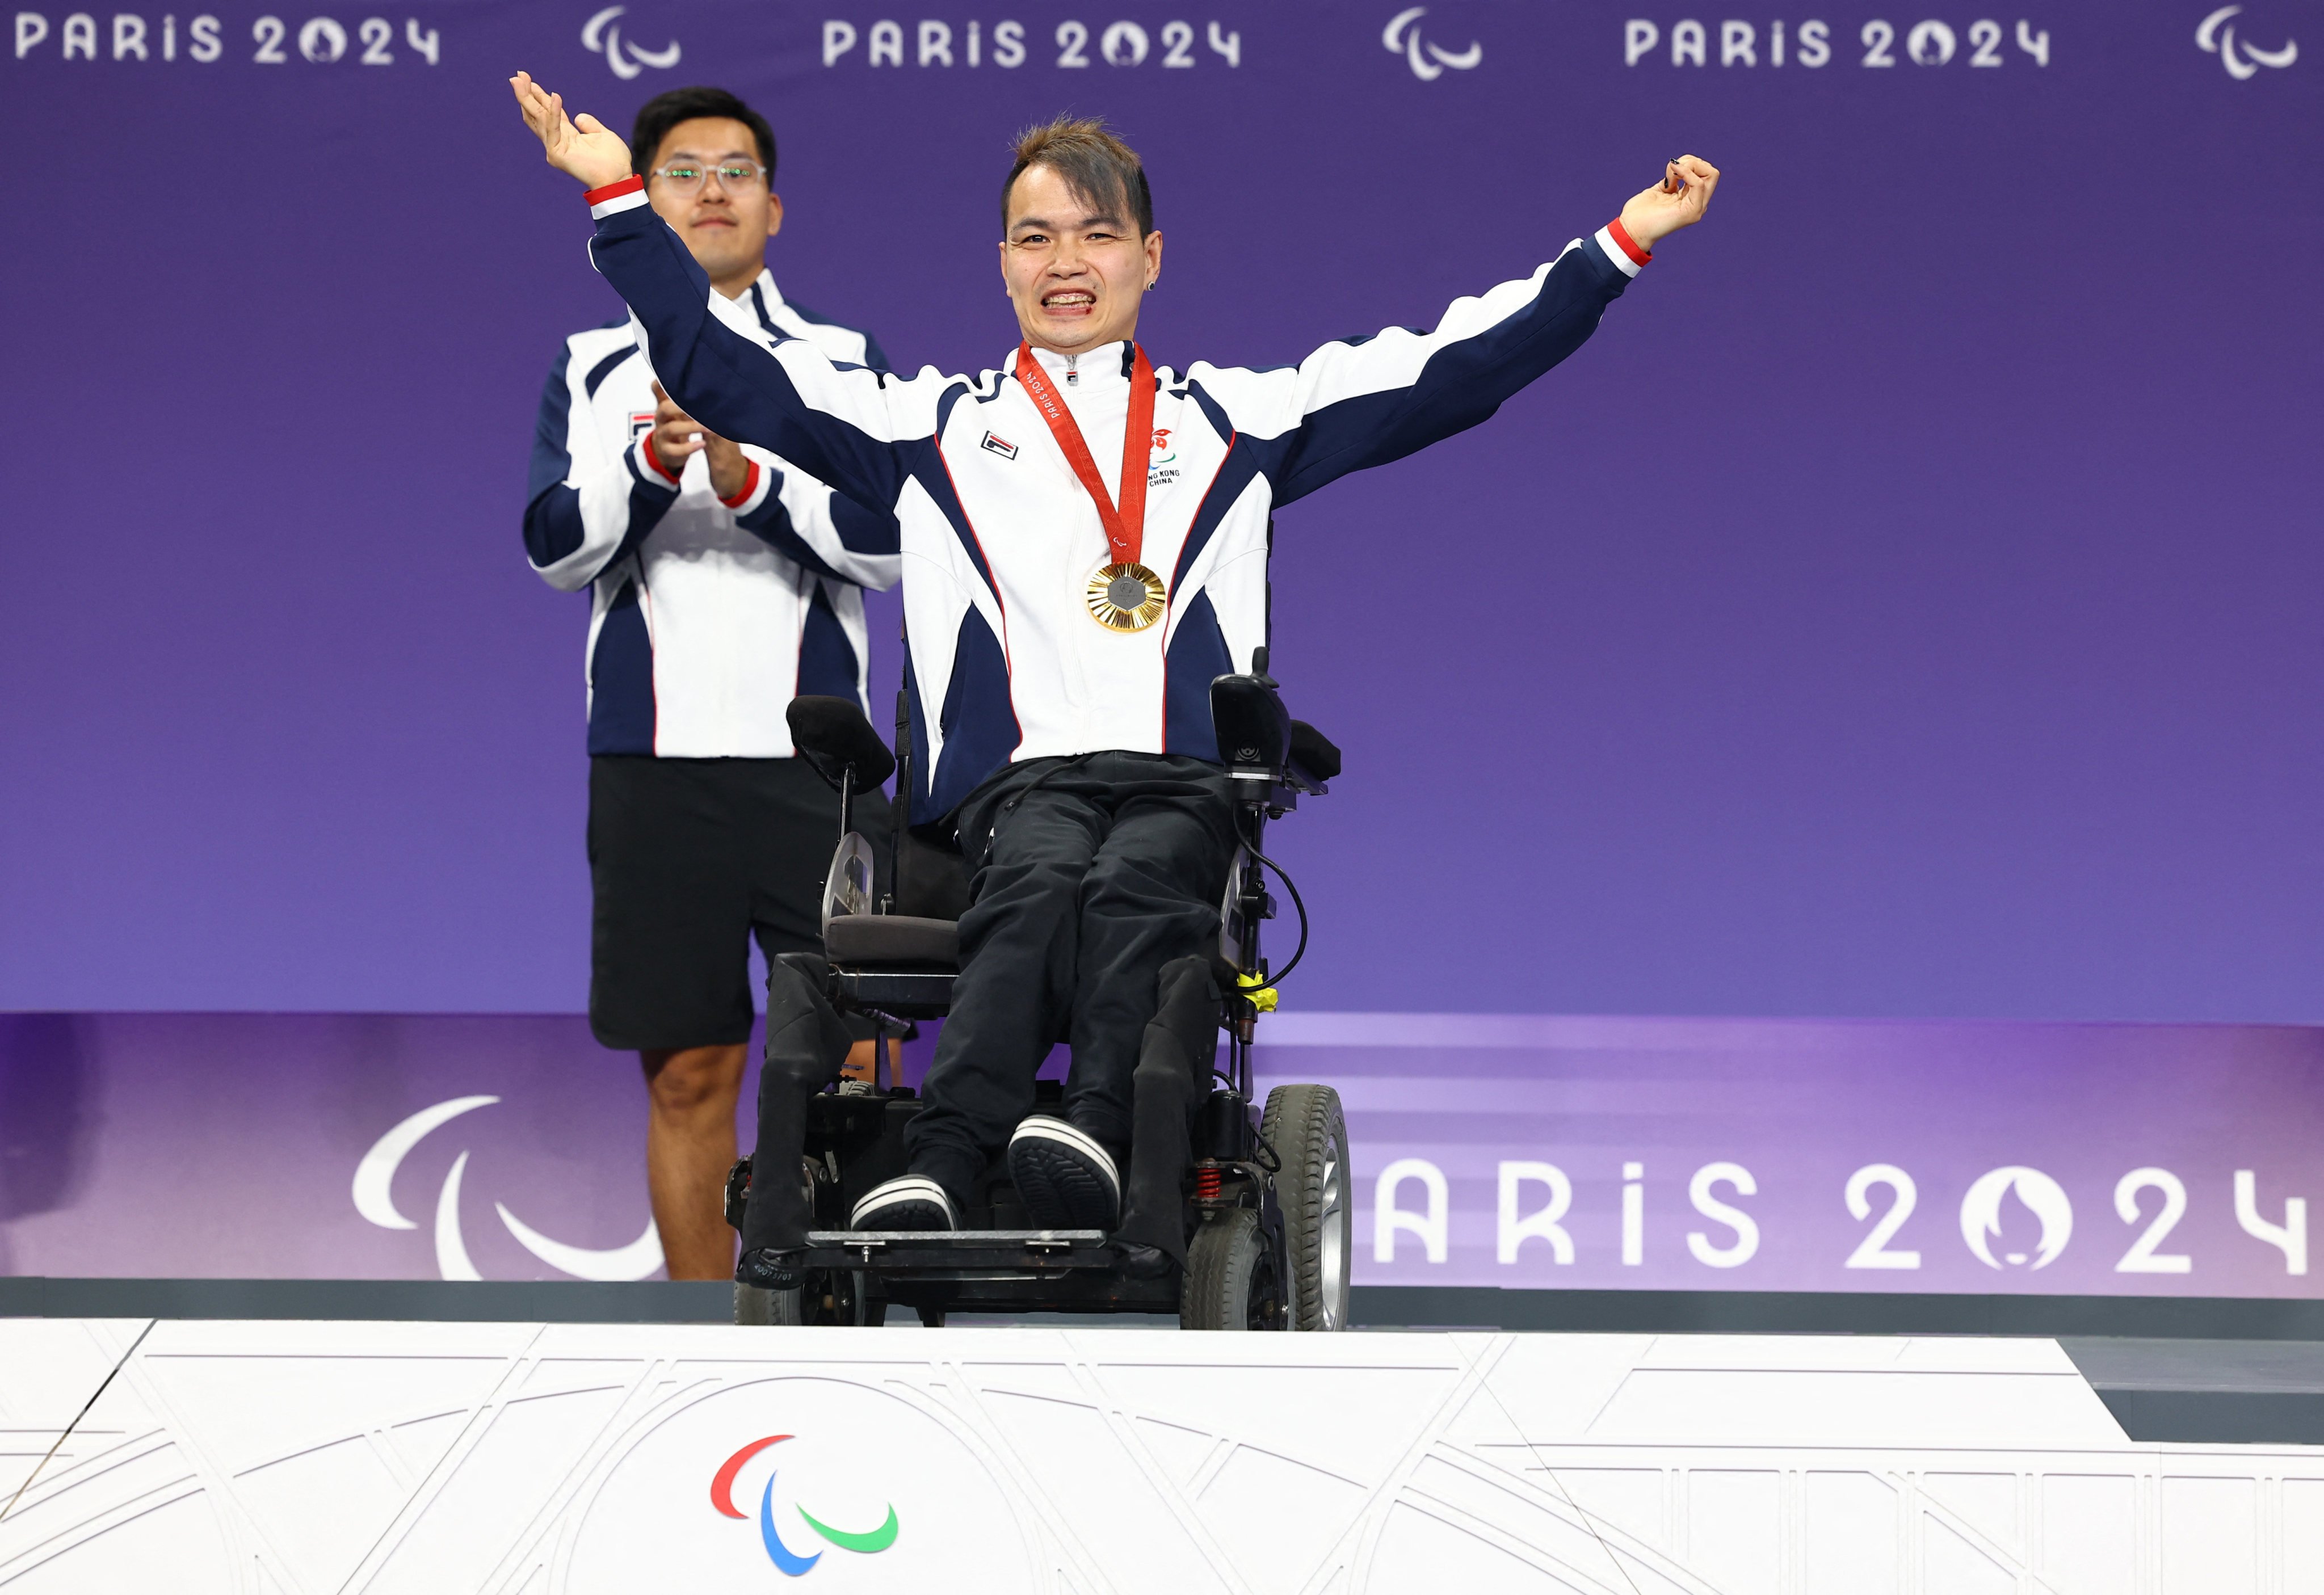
(1247, 716)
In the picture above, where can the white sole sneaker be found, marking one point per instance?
(907, 1202)
(1065, 1178)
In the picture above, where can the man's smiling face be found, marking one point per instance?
(1074, 270)
(725, 224)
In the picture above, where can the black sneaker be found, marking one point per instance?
(907, 1202)
(1065, 1178)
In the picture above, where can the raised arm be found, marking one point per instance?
(833, 422)
(1355, 404)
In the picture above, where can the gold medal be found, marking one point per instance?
(1122, 595)
(1125, 598)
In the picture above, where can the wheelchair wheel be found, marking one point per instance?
(1232, 1281)
(753, 1305)
(1309, 1133)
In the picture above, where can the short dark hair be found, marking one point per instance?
(1099, 169)
(659, 114)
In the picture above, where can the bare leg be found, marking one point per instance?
(858, 1066)
(690, 1097)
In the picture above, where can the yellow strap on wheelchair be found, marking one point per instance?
(1261, 994)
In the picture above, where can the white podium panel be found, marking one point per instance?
(295, 1459)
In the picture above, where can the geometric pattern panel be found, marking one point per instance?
(294, 1459)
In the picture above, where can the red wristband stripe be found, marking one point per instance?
(628, 185)
(750, 486)
(1621, 235)
(654, 460)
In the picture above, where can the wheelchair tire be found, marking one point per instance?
(1307, 1129)
(756, 1307)
(1232, 1281)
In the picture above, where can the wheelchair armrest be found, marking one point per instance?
(1312, 753)
(836, 737)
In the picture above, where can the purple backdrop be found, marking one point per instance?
(1906, 606)
(231, 1144)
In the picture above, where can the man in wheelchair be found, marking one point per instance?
(1085, 537)
(1090, 875)
(1096, 882)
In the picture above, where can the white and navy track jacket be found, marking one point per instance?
(1000, 538)
(707, 614)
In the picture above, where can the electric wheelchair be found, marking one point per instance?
(1251, 1207)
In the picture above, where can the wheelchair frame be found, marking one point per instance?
(1244, 1267)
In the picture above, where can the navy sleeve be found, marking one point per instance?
(552, 511)
(1367, 402)
(586, 506)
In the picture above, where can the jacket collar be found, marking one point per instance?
(762, 298)
(1106, 366)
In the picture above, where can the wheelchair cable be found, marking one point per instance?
(1275, 978)
(1273, 1161)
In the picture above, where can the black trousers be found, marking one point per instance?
(1086, 876)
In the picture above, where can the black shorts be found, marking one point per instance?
(687, 859)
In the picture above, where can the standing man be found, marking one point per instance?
(724, 582)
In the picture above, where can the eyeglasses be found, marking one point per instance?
(685, 176)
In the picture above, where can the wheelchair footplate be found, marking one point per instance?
(989, 1270)
(959, 1254)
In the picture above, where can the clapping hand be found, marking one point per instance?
(678, 436)
(581, 146)
(1677, 201)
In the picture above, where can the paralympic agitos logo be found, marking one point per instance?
(789, 1563)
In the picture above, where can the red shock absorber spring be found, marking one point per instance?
(1206, 1182)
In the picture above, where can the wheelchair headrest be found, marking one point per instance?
(834, 734)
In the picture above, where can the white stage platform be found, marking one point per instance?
(294, 1459)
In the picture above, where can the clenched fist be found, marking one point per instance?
(1677, 201)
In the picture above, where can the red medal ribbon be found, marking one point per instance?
(1125, 528)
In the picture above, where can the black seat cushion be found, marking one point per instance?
(892, 941)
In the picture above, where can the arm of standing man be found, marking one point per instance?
(785, 508)
(815, 527)
(591, 498)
